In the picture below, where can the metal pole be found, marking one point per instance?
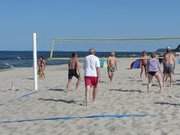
(35, 61)
(52, 49)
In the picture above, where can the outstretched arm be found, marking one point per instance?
(107, 62)
(44, 61)
(174, 59)
(98, 69)
(116, 64)
(98, 72)
(159, 67)
(78, 66)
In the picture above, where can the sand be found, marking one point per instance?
(150, 113)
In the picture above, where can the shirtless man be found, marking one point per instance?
(41, 67)
(143, 64)
(73, 70)
(169, 65)
(111, 65)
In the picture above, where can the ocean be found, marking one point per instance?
(14, 59)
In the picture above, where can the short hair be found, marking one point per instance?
(153, 55)
(144, 53)
(92, 51)
(74, 54)
(168, 50)
(41, 57)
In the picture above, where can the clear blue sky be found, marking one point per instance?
(94, 18)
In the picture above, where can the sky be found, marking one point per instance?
(88, 18)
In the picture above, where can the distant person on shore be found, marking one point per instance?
(41, 67)
(169, 66)
(153, 68)
(143, 64)
(73, 70)
(111, 65)
(92, 74)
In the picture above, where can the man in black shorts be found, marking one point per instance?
(73, 70)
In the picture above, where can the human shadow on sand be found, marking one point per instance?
(60, 100)
(145, 84)
(167, 103)
(177, 73)
(30, 78)
(135, 80)
(123, 90)
(177, 84)
(102, 82)
(56, 89)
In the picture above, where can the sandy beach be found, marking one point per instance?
(53, 110)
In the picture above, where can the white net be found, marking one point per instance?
(112, 44)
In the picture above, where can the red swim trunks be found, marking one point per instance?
(91, 81)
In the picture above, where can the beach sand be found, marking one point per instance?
(151, 113)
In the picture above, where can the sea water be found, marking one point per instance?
(12, 59)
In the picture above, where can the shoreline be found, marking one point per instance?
(49, 65)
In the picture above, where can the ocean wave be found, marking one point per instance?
(5, 66)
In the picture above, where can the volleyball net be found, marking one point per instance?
(107, 44)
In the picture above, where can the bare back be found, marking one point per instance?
(112, 62)
(73, 64)
(169, 58)
(144, 60)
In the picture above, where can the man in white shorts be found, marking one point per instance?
(92, 73)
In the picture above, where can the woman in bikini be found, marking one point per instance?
(154, 70)
(41, 67)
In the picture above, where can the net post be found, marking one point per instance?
(35, 61)
(52, 49)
